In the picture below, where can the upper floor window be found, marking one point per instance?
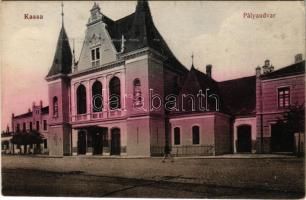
(137, 93)
(45, 125)
(283, 97)
(195, 135)
(81, 100)
(97, 99)
(114, 93)
(95, 57)
(177, 136)
(55, 107)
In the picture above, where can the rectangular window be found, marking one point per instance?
(31, 128)
(177, 136)
(37, 125)
(93, 54)
(283, 97)
(195, 135)
(97, 53)
(45, 125)
(24, 126)
(95, 57)
(18, 127)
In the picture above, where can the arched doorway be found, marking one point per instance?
(115, 141)
(82, 142)
(244, 139)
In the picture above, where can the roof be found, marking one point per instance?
(139, 31)
(239, 95)
(294, 69)
(44, 110)
(196, 81)
(62, 61)
(24, 115)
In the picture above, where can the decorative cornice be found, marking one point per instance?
(56, 76)
(97, 69)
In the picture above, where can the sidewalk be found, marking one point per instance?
(225, 156)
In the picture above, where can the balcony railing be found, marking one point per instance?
(97, 115)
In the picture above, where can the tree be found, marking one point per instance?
(24, 138)
(294, 121)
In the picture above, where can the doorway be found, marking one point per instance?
(244, 139)
(281, 140)
(81, 142)
(115, 141)
(97, 144)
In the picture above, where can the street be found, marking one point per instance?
(185, 178)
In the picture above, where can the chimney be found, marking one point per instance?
(258, 71)
(298, 58)
(208, 70)
(41, 103)
(29, 109)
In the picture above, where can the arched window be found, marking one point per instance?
(195, 135)
(114, 93)
(137, 93)
(81, 100)
(97, 99)
(177, 136)
(55, 107)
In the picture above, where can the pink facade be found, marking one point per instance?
(275, 92)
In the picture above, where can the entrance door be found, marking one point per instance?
(281, 140)
(244, 140)
(115, 141)
(81, 142)
(97, 142)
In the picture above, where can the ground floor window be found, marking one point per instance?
(177, 136)
(195, 135)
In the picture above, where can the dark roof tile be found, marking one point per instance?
(294, 69)
(62, 61)
(239, 95)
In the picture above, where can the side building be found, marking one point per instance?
(36, 119)
(276, 91)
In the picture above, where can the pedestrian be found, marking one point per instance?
(167, 154)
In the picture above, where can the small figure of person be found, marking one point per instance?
(167, 154)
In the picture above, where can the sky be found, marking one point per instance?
(215, 32)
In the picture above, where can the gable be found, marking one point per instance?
(97, 36)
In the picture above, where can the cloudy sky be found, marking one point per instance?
(216, 32)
